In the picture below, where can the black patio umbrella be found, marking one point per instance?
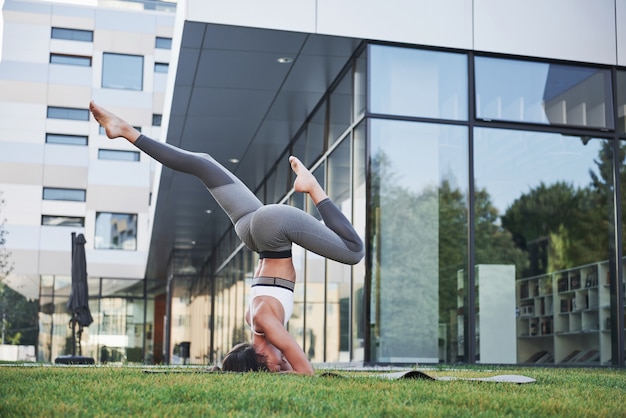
(78, 303)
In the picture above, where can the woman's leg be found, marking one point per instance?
(229, 192)
(275, 227)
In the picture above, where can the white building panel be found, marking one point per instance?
(291, 15)
(131, 104)
(57, 238)
(108, 198)
(26, 45)
(73, 127)
(62, 46)
(70, 95)
(578, 30)
(77, 17)
(57, 207)
(110, 263)
(74, 177)
(29, 7)
(132, 23)
(119, 173)
(18, 120)
(22, 210)
(17, 152)
(57, 262)
(66, 155)
(20, 173)
(24, 71)
(620, 11)
(445, 23)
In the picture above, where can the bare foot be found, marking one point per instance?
(305, 181)
(113, 125)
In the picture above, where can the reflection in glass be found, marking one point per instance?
(117, 333)
(621, 101)
(338, 276)
(543, 207)
(340, 115)
(419, 239)
(360, 85)
(359, 194)
(554, 94)
(412, 82)
(116, 231)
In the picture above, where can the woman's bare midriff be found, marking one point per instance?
(276, 267)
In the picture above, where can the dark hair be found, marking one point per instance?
(244, 358)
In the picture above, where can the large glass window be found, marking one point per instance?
(537, 92)
(418, 239)
(116, 231)
(543, 205)
(338, 275)
(120, 71)
(412, 82)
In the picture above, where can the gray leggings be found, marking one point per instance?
(263, 228)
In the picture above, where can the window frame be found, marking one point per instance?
(70, 34)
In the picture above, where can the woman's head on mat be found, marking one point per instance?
(245, 358)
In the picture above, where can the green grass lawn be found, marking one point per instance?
(127, 391)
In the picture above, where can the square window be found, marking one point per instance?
(120, 71)
(163, 43)
(161, 67)
(116, 231)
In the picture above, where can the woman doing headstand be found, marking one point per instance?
(268, 230)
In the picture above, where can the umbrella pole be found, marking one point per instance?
(74, 319)
(73, 334)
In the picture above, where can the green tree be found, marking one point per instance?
(18, 315)
(561, 226)
(6, 266)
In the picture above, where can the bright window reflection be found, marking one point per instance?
(412, 82)
(419, 238)
(116, 231)
(543, 203)
(554, 94)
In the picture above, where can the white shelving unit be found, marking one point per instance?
(564, 318)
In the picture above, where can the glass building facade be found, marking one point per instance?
(488, 190)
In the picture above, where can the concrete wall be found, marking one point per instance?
(577, 30)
